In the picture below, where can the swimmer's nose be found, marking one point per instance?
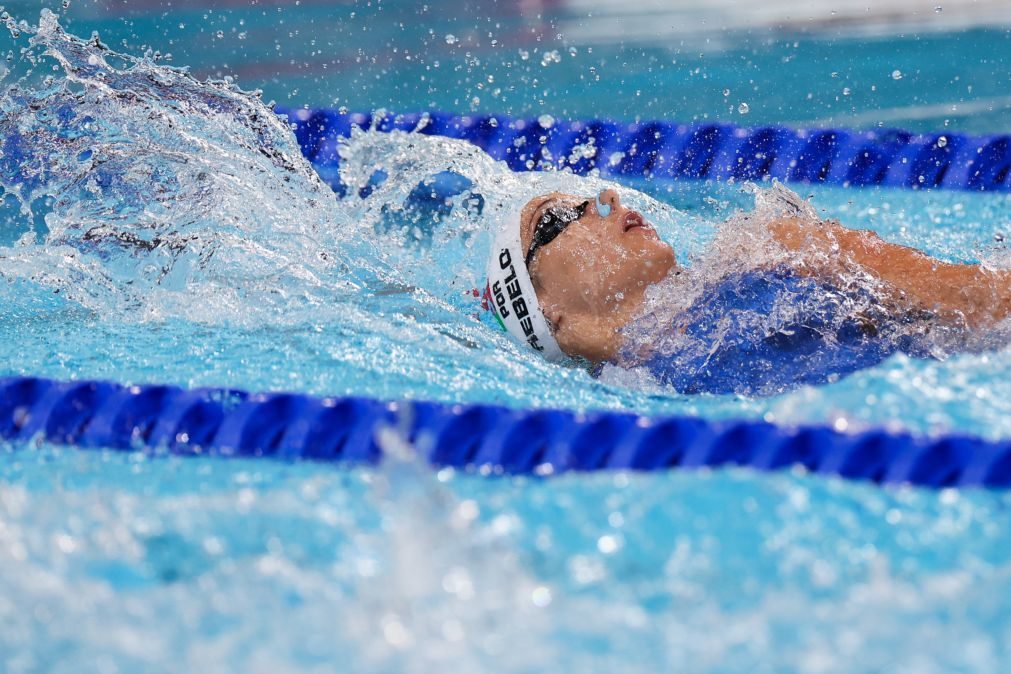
(607, 201)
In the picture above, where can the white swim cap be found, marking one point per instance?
(510, 292)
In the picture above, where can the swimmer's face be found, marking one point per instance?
(596, 261)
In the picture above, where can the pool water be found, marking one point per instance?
(821, 64)
(115, 562)
(238, 267)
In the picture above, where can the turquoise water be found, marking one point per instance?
(651, 59)
(235, 266)
(122, 563)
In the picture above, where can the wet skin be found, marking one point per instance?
(592, 278)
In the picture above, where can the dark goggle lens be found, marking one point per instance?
(552, 223)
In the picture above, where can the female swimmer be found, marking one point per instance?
(591, 279)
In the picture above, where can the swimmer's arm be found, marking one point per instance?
(978, 296)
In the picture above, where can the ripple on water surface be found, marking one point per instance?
(160, 564)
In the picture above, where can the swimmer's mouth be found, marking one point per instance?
(634, 220)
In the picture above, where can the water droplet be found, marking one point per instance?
(541, 596)
(608, 544)
(743, 108)
(549, 57)
(450, 39)
(938, 9)
(896, 74)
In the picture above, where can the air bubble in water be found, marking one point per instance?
(451, 39)
(942, 141)
(938, 9)
(896, 74)
(66, 4)
(546, 121)
(743, 108)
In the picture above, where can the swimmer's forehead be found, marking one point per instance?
(534, 210)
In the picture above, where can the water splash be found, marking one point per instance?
(170, 230)
(419, 248)
(175, 211)
(854, 301)
(161, 194)
(164, 196)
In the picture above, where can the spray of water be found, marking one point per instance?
(148, 196)
(156, 195)
(161, 195)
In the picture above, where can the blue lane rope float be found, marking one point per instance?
(666, 150)
(219, 422)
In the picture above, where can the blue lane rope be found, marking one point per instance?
(219, 422)
(667, 150)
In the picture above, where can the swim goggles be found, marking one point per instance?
(553, 222)
(556, 219)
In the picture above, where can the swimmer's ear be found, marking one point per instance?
(585, 336)
(562, 330)
(554, 318)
